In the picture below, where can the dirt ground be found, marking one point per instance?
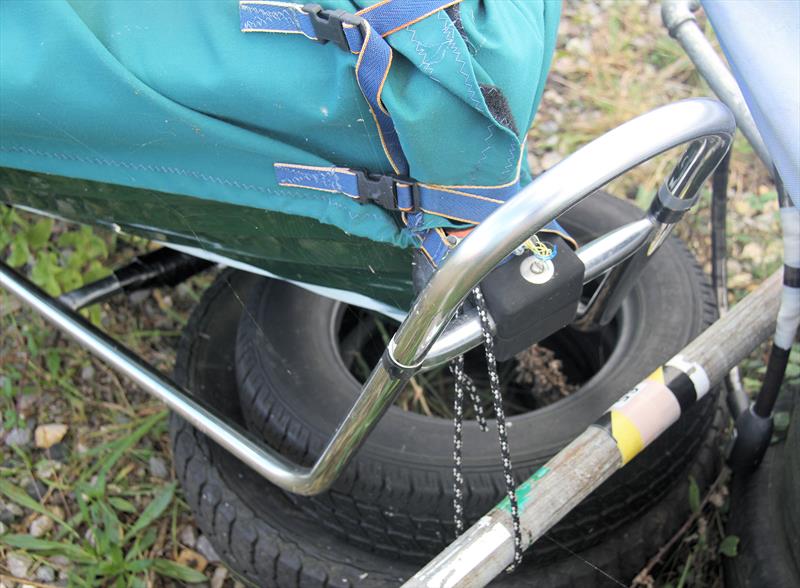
(85, 467)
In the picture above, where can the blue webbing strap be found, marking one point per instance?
(468, 204)
(432, 242)
(362, 34)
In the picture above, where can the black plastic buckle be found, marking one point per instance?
(377, 188)
(328, 24)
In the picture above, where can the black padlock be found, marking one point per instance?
(530, 298)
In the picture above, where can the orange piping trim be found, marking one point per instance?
(368, 8)
(416, 20)
(383, 81)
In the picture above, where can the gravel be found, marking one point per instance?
(188, 536)
(205, 549)
(9, 512)
(45, 574)
(18, 436)
(40, 526)
(158, 467)
(18, 564)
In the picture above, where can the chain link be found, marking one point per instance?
(457, 367)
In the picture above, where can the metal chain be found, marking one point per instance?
(461, 379)
(500, 416)
(468, 385)
(462, 382)
(457, 367)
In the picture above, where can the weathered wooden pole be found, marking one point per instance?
(630, 425)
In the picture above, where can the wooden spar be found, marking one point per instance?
(487, 547)
(632, 423)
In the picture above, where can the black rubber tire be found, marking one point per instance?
(765, 515)
(266, 538)
(791, 485)
(396, 496)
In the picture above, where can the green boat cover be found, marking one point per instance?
(172, 96)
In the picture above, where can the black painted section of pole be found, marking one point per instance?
(773, 378)
(160, 268)
(736, 396)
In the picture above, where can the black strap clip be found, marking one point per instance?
(381, 189)
(328, 24)
(377, 188)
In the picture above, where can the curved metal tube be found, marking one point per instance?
(677, 194)
(462, 334)
(377, 394)
(603, 253)
(547, 197)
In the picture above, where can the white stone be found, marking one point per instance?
(18, 564)
(18, 437)
(207, 550)
(188, 536)
(40, 526)
(158, 468)
(48, 435)
(218, 579)
(45, 574)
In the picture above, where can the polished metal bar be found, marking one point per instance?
(462, 334)
(678, 18)
(598, 256)
(377, 395)
(678, 193)
(737, 398)
(548, 196)
(605, 252)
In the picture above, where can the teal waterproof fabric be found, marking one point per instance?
(171, 96)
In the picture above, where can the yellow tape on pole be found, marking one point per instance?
(629, 440)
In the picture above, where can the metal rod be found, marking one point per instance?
(598, 256)
(638, 418)
(377, 394)
(162, 267)
(676, 195)
(548, 196)
(605, 252)
(92, 293)
(754, 425)
(679, 20)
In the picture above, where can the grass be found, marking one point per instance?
(115, 550)
(116, 519)
(108, 518)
